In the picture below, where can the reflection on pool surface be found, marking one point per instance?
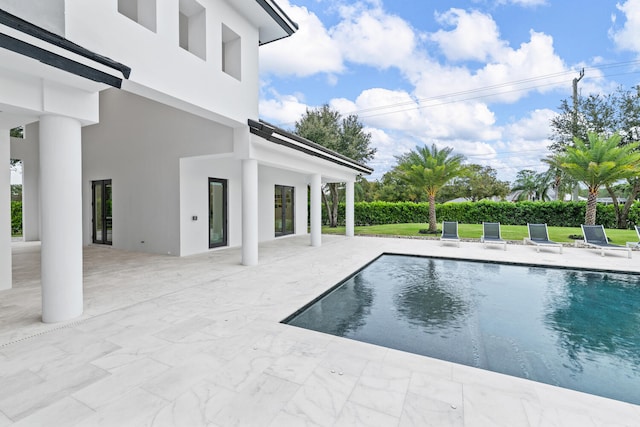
(571, 328)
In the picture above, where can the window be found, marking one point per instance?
(231, 63)
(192, 28)
(217, 212)
(141, 11)
(284, 210)
(102, 210)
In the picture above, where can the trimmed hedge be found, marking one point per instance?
(16, 217)
(556, 213)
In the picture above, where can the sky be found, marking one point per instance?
(484, 77)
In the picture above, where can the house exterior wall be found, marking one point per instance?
(166, 72)
(138, 144)
(268, 178)
(48, 14)
(194, 200)
(179, 118)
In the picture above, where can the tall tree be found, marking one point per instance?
(395, 189)
(427, 170)
(618, 112)
(476, 183)
(600, 161)
(346, 136)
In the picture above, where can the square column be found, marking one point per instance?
(61, 228)
(349, 220)
(5, 211)
(316, 210)
(249, 212)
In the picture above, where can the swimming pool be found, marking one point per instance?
(576, 329)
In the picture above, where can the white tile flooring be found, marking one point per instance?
(192, 341)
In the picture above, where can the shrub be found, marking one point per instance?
(555, 213)
(16, 217)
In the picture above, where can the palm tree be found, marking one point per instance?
(596, 163)
(526, 184)
(428, 169)
(532, 186)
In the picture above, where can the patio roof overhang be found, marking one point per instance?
(35, 61)
(281, 137)
(26, 39)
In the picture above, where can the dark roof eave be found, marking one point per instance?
(271, 133)
(54, 59)
(280, 17)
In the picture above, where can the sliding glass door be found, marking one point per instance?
(217, 212)
(102, 208)
(284, 210)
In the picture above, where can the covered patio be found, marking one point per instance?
(196, 340)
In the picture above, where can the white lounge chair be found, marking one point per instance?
(595, 237)
(491, 234)
(539, 236)
(450, 232)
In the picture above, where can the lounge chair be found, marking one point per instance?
(595, 237)
(491, 234)
(450, 232)
(539, 236)
(635, 244)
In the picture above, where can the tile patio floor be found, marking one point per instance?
(192, 341)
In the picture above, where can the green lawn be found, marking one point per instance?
(474, 231)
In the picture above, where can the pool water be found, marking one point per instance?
(570, 328)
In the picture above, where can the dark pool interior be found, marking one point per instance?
(570, 328)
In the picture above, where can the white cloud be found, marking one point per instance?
(474, 37)
(373, 37)
(309, 51)
(534, 127)
(628, 37)
(282, 110)
(508, 75)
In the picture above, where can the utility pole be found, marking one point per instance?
(575, 102)
(574, 124)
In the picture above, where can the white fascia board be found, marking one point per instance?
(285, 158)
(317, 151)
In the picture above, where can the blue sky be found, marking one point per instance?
(482, 76)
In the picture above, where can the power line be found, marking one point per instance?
(413, 102)
(499, 153)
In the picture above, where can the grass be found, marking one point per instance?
(474, 231)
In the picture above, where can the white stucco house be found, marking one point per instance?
(142, 132)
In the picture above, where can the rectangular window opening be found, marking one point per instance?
(141, 11)
(192, 28)
(231, 50)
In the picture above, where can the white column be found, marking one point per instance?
(249, 212)
(349, 195)
(5, 210)
(61, 228)
(316, 210)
